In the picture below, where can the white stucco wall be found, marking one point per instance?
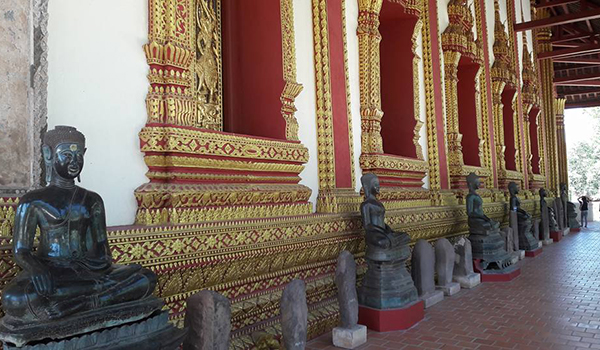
(97, 83)
(354, 81)
(306, 101)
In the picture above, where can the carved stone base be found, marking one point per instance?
(387, 285)
(15, 332)
(470, 281)
(489, 249)
(153, 333)
(548, 241)
(505, 275)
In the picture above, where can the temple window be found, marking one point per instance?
(508, 113)
(467, 110)
(398, 124)
(533, 137)
(252, 68)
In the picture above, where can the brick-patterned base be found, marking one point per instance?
(556, 236)
(391, 319)
(533, 253)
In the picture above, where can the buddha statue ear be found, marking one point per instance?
(47, 153)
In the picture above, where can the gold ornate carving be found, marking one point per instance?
(208, 65)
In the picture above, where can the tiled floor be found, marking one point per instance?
(554, 304)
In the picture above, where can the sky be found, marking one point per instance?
(578, 126)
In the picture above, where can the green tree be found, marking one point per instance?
(584, 162)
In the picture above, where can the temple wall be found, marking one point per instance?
(353, 72)
(16, 106)
(98, 83)
(306, 102)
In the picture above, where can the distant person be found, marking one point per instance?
(583, 207)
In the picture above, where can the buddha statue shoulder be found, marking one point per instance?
(515, 202)
(479, 223)
(71, 270)
(379, 236)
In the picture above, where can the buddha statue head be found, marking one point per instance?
(513, 188)
(370, 184)
(563, 188)
(63, 151)
(473, 182)
(543, 193)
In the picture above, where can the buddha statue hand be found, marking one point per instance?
(42, 281)
(378, 237)
(71, 306)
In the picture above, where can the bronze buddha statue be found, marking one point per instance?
(386, 284)
(478, 221)
(71, 270)
(484, 233)
(526, 239)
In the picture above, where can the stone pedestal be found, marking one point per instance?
(489, 249)
(556, 236)
(463, 267)
(469, 281)
(349, 338)
(505, 275)
(533, 253)
(449, 289)
(391, 319)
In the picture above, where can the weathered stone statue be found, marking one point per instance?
(387, 284)
(559, 214)
(564, 199)
(552, 220)
(294, 316)
(208, 320)
(444, 267)
(69, 284)
(463, 266)
(545, 218)
(526, 239)
(423, 271)
(572, 215)
(349, 334)
(485, 238)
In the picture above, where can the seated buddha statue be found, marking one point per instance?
(71, 269)
(515, 203)
(382, 242)
(479, 223)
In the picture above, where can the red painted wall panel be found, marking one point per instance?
(467, 111)
(509, 133)
(252, 68)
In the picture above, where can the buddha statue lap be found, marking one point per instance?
(68, 284)
(484, 233)
(387, 284)
(526, 239)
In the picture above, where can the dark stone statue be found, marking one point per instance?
(572, 215)
(564, 199)
(487, 244)
(387, 284)
(552, 220)
(69, 282)
(545, 218)
(526, 239)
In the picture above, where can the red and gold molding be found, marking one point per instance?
(334, 121)
(198, 172)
